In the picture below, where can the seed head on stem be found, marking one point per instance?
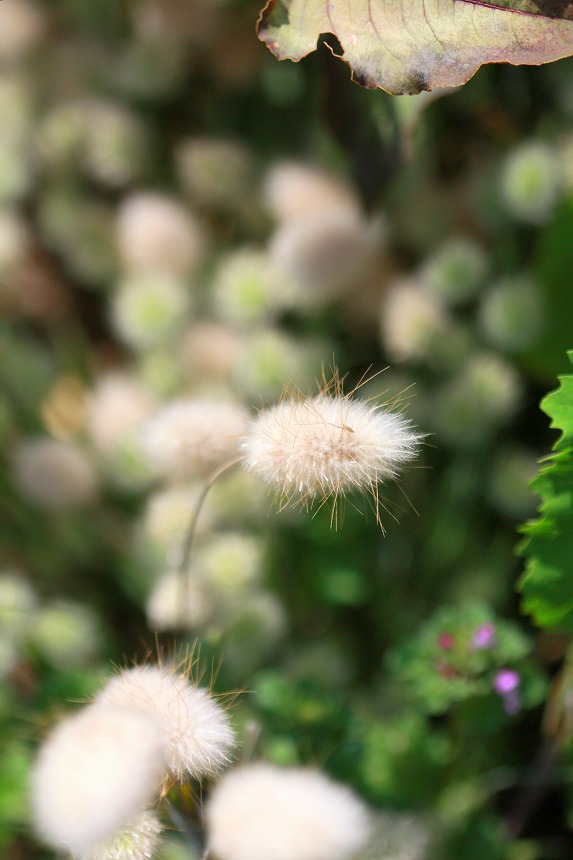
(315, 449)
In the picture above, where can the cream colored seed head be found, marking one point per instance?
(195, 727)
(264, 812)
(326, 446)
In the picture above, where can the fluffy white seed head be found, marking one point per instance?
(139, 841)
(327, 255)
(192, 437)
(325, 446)
(55, 475)
(295, 192)
(156, 232)
(94, 774)
(195, 727)
(263, 812)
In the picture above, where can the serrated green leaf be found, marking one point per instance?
(547, 583)
(559, 406)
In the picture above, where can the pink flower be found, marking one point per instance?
(506, 683)
(484, 637)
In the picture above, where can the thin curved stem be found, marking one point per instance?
(182, 568)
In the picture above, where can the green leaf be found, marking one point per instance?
(559, 406)
(547, 583)
(406, 46)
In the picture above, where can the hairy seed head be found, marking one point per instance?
(327, 446)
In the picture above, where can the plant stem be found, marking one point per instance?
(182, 568)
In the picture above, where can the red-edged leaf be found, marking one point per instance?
(406, 46)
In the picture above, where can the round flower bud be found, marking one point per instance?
(511, 314)
(531, 183)
(412, 322)
(261, 811)
(483, 395)
(248, 288)
(148, 308)
(398, 836)
(456, 271)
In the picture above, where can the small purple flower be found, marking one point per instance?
(484, 637)
(506, 683)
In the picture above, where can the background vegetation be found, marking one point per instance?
(430, 234)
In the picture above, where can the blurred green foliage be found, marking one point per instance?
(351, 648)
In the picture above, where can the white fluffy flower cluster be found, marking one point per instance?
(323, 447)
(264, 812)
(101, 770)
